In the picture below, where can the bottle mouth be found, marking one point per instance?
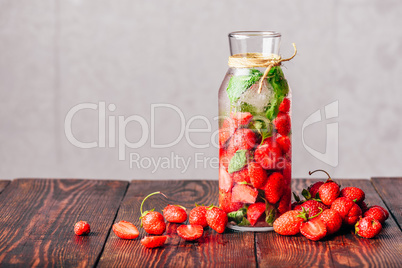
(251, 34)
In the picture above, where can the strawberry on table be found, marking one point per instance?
(244, 194)
(314, 229)
(216, 219)
(363, 206)
(153, 241)
(198, 216)
(82, 228)
(125, 230)
(257, 175)
(312, 207)
(274, 187)
(190, 232)
(152, 221)
(255, 211)
(383, 209)
(349, 210)
(329, 191)
(175, 213)
(368, 227)
(353, 193)
(313, 188)
(332, 220)
(376, 212)
(288, 223)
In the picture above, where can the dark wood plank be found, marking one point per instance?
(38, 215)
(3, 185)
(213, 250)
(342, 250)
(390, 190)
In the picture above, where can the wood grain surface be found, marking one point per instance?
(38, 217)
(390, 190)
(211, 250)
(3, 185)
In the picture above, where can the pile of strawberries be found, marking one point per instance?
(327, 208)
(154, 224)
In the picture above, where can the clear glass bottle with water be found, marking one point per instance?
(255, 152)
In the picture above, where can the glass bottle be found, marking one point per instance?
(255, 159)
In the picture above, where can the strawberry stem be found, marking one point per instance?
(321, 210)
(149, 196)
(311, 172)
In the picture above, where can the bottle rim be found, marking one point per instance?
(251, 34)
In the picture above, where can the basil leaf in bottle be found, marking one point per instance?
(240, 83)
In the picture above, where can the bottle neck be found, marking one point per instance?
(266, 43)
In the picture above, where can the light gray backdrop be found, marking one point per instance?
(57, 54)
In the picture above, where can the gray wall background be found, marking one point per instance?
(56, 54)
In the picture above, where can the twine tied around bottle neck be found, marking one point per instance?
(258, 60)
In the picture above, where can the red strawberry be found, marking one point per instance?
(125, 230)
(175, 213)
(244, 194)
(314, 230)
(312, 207)
(284, 143)
(287, 173)
(241, 175)
(274, 187)
(216, 219)
(225, 180)
(226, 202)
(353, 193)
(224, 158)
(332, 220)
(152, 221)
(368, 227)
(282, 123)
(329, 191)
(226, 131)
(257, 175)
(82, 228)
(242, 139)
(197, 216)
(285, 106)
(349, 210)
(153, 241)
(190, 232)
(284, 203)
(288, 223)
(383, 209)
(255, 211)
(363, 206)
(376, 213)
(268, 155)
(241, 119)
(313, 188)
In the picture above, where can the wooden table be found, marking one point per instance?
(37, 218)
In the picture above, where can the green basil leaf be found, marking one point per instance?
(240, 83)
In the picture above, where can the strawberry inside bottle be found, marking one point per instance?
(255, 154)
